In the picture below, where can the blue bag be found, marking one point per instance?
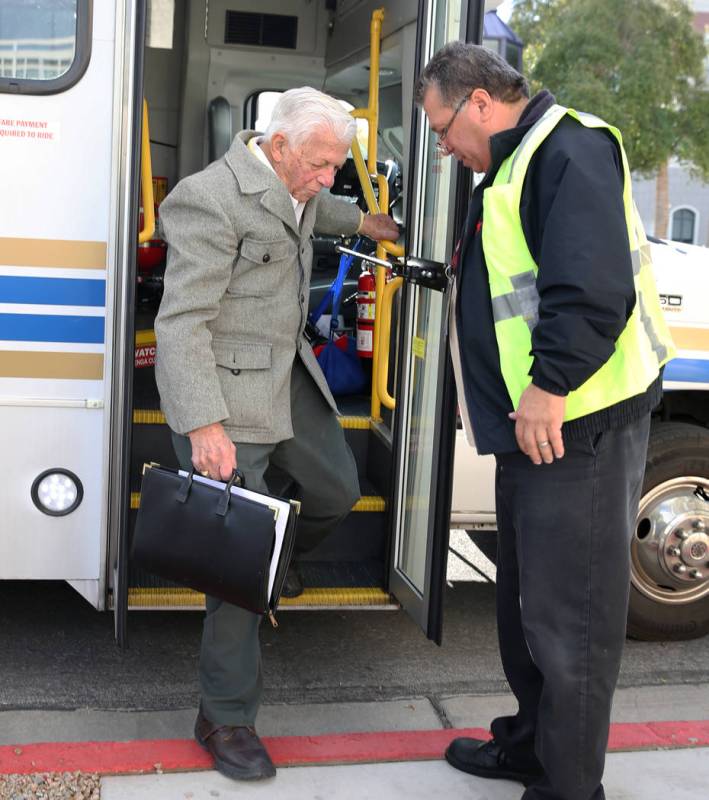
(341, 365)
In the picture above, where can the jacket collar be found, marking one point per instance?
(254, 177)
(504, 143)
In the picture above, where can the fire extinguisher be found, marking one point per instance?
(366, 298)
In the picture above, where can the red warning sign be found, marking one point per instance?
(145, 356)
(28, 130)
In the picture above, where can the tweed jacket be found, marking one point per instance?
(235, 298)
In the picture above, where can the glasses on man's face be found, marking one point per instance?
(441, 145)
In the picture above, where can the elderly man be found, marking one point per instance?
(238, 381)
(557, 341)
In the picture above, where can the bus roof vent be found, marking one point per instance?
(261, 30)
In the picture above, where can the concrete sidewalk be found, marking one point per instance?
(679, 774)
(640, 704)
(341, 751)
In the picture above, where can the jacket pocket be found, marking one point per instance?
(260, 267)
(244, 370)
(264, 252)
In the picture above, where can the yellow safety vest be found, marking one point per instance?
(645, 343)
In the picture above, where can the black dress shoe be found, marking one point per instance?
(237, 751)
(489, 760)
(293, 584)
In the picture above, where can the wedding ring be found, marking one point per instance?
(204, 473)
(543, 444)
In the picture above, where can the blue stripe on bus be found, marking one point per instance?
(689, 370)
(47, 328)
(52, 291)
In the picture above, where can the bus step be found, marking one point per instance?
(341, 598)
(153, 416)
(370, 503)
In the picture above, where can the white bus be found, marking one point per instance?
(79, 412)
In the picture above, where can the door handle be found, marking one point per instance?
(420, 271)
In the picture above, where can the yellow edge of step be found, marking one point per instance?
(188, 598)
(356, 423)
(371, 503)
(148, 416)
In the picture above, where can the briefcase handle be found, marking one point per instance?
(237, 479)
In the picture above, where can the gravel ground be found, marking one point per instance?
(50, 786)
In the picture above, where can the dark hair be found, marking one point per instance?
(459, 67)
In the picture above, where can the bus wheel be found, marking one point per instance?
(669, 551)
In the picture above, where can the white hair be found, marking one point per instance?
(299, 112)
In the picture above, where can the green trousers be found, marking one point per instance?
(321, 463)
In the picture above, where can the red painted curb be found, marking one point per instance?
(655, 735)
(168, 755)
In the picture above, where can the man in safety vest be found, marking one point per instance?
(557, 341)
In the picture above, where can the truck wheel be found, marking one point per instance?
(669, 552)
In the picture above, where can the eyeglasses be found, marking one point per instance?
(441, 144)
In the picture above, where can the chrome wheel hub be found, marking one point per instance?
(670, 547)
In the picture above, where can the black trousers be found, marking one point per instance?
(563, 574)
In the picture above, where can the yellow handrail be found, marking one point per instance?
(365, 173)
(390, 290)
(365, 179)
(146, 182)
(381, 331)
(371, 114)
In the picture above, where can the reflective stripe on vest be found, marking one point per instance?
(522, 302)
(645, 343)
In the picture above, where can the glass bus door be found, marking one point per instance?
(425, 420)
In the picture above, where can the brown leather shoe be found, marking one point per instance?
(237, 751)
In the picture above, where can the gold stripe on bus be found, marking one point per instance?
(169, 597)
(39, 364)
(690, 338)
(52, 253)
(370, 503)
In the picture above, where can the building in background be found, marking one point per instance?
(498, 36)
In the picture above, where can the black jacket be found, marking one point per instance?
(574, 224)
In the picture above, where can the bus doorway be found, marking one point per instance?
(392, 548)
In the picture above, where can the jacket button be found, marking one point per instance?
(302, 298)
(266, 258)
(235, 371)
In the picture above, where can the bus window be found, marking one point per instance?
(258, 109)
(45, 45)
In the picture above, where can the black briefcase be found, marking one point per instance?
(210, 539)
